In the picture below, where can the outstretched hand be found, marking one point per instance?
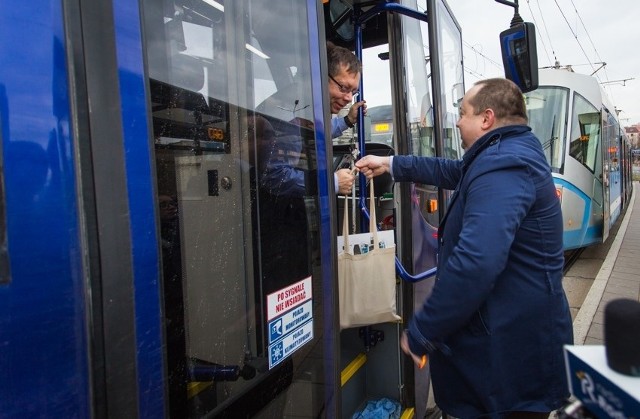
(371, 166)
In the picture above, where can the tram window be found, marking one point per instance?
(264, 85)
(452, 72)
(189, 110)
(612, 142)
(547, 112)
(585, 132)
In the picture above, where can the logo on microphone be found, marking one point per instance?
(600, 396)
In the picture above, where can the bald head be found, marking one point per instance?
(504, 97)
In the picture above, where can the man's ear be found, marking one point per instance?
(488, 119)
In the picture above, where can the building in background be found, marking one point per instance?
(633, 132)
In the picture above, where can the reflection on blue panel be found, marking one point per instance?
(142, 207)
(43, 338)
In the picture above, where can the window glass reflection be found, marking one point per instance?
(585, 132)
(547, 111)
(235, 163)
(452, 73)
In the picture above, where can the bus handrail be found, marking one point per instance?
(400, 270)
(359, 19)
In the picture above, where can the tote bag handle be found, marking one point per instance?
(373, 229)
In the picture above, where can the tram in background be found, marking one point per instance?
(155, 260)
(587, 149)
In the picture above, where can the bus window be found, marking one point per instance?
(425, 140)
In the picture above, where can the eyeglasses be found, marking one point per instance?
(343, 89)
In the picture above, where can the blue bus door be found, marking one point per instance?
(43, 333)
(168, 244)
(237, 115)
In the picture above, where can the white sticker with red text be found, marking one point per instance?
(288, 297)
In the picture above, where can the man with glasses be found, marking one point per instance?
(344, 79)
(283, 182)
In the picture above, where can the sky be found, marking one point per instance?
(580, 33)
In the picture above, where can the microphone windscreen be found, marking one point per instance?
(622, 336)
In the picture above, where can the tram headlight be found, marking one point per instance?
(559, 194)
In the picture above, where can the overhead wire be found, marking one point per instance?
(544, 23)
(475, 51)
(477, 73)
(595, 70)
(536, 24)
(575, 36)
(589, 37)
(478, 76)
(548, 46)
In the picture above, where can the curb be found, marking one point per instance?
(584, 318)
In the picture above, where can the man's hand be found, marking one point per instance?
(345, 181)
(404, 344)
(353, 111)
(372, 166)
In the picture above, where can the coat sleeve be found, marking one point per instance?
(495, 204)
(440, 172)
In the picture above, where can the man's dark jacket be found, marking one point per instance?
(498, 317)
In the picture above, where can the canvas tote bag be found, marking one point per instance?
(366, 275)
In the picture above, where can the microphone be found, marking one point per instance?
(622, 336)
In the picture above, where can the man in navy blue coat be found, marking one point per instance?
(494, 327)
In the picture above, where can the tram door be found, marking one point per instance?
(234, 142)
(434, 86)
(605, 173)
(423, 121)
(200, 187)
(611, 172)
(587, 147)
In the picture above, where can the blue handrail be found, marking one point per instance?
(359, 19)
(400, 270)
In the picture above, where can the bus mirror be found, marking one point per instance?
(519, 55)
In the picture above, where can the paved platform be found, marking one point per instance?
(618, 276)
